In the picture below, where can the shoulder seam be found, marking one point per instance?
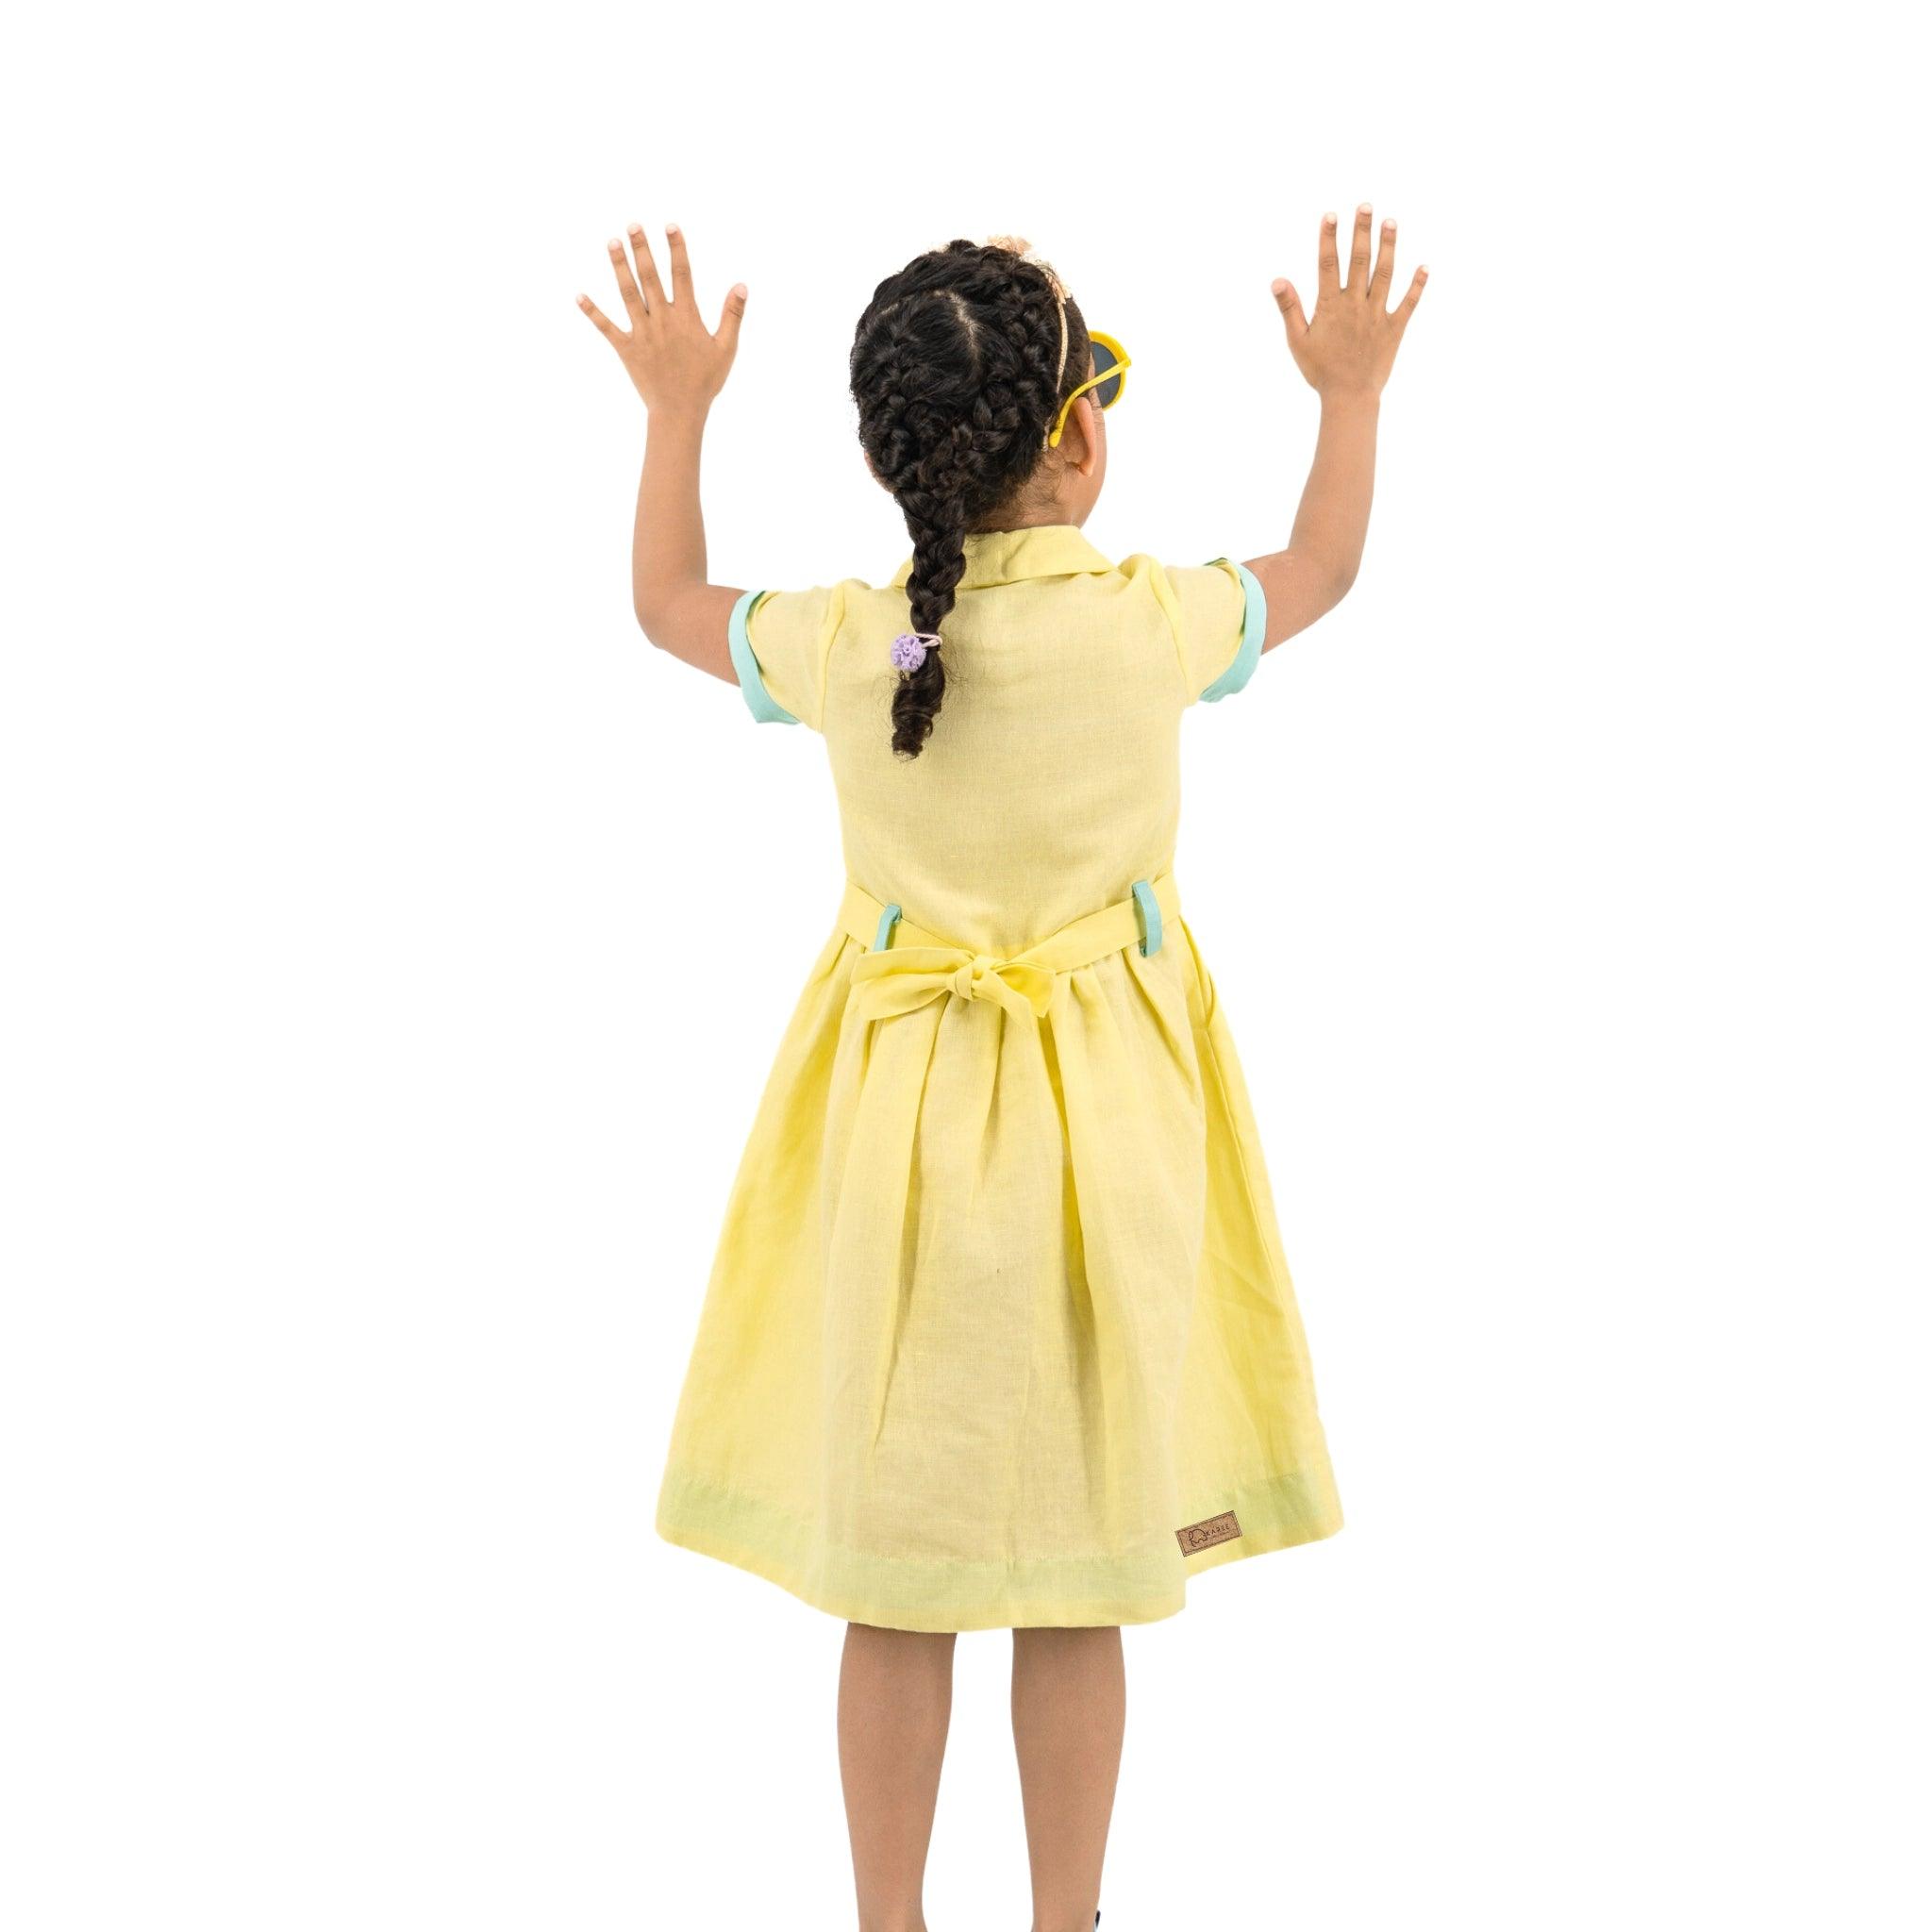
(1164, 596)
(834, 619)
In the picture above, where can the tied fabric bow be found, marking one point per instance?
(902, 979)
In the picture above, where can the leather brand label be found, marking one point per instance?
(1204, 1536)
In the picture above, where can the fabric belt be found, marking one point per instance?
(907, 967)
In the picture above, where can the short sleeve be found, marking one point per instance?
(1221, 613)
(779, 641)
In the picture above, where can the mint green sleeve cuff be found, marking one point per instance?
(764, 707)
(1254, 622)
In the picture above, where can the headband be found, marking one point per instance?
(1018, 246)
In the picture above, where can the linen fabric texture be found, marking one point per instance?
(1000, 1305)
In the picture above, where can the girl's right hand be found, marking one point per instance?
(1348, 346)
(672, 358)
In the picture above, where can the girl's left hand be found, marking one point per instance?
(1347, 347)
(672, 358)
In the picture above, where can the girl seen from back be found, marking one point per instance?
(999, 1333)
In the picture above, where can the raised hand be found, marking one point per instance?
(1348, 345)
(672, 360)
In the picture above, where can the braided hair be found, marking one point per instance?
(956, 370)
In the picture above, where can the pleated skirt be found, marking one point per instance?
(999, 1330)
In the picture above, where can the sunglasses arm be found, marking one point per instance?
(1119, 368)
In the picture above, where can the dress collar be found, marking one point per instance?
(1007, 556)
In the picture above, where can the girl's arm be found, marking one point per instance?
(1346, 351)
(678, 366)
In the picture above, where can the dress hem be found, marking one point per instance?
(699, 1516)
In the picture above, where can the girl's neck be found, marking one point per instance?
(1022, 519)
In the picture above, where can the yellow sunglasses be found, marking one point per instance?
(1110, 363)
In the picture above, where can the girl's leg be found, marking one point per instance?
(1069, 1710)
(895, 1698)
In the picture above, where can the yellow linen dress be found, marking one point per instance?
(999, 1330)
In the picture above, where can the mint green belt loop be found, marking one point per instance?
(887, 920)
(1149, 908)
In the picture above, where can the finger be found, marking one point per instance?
(647, 267)
(627, 284)
(605, 328)
(1405, 308)
(1385, 268)
(680, 265)
(1358, 251)
(1331, 269)
(729, 322)
(1290, 305)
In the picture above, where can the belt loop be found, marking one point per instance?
(1148, 908)
(889, 918)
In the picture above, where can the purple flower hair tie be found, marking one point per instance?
(910, 646)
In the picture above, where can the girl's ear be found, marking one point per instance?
(1081, 440)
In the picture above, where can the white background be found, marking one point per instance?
(396, 946)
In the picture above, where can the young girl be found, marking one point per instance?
(999, 1333)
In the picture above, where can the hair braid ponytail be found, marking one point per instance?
(955, 372)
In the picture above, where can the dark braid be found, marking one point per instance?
(953, 370)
